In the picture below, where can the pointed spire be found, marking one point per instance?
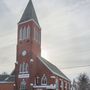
(29, 13)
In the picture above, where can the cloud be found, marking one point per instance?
(3, 8)
(7, 21)
(65, 30)
(7, 58)
(66, 33)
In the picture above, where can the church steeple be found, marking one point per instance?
(29, 31)
(30, 67)
(29, 13)
(28, 47)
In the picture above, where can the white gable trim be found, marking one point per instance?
(29, 21)
(52, 70)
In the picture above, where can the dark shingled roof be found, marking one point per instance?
(13, 72)
(11, 78)
(3, 77)
(29, 13)
(53, 68)
(7, 78)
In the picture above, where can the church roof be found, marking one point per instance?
(7, 78)
(53, 68)
(2, 77)
(10, 78)
(29, 13)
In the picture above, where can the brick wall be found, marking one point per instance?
(7, 86)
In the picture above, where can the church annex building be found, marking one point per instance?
(32, 72)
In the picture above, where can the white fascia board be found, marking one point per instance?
(29, 21)
(46, 86)
(2, 82)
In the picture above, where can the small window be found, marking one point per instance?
(65, 85)
(61, 85)
(20, 34)
(24, 33)
(34, 33)
(44, 80)
(26, 68)
(36, 81)
(57, 84)
(37, 35)
(28, 32)
(69, 86)
(23, 85)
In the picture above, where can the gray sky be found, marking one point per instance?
(65, 33)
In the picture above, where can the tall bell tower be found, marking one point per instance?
(28, 46)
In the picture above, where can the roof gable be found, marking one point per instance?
(53, 68)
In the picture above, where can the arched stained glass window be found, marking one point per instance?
(61, 85)
(28, 32)
(23, 85)
(24, 33)
(44, 80)
(20, 34)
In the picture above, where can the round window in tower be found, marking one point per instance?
(24, 52)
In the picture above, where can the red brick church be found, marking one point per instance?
(32, 71)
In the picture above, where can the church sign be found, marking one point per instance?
(23, 76)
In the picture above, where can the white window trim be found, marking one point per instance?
(24, 33)
(65, 84)
(43, 77)
(23, 84)
(35, 81)
(61, 85)
(23, 68)
(28, 32)
(20, 34)
(34, 33)
(29, 21)
(37, 35)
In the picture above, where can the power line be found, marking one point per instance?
(74, 67)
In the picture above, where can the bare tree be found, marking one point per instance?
(83, 82)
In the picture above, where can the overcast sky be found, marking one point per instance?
(65, 33)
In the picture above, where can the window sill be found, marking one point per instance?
(23, 72)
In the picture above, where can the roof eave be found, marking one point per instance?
(53, 71)
(19, 23)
